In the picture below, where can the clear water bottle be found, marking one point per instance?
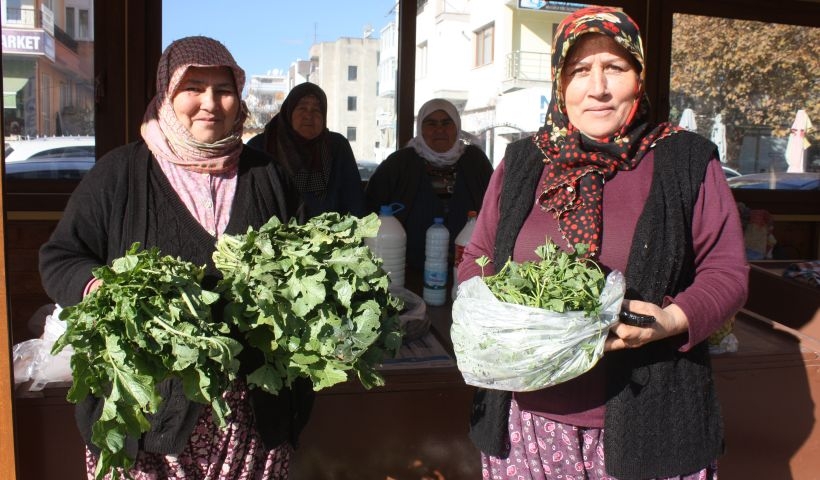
(435, 263)
(390, 244)
(462, 239)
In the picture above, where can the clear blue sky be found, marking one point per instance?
(264, 35)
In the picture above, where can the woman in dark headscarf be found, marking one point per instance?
(189, 181)
(651, 201)
(320, 162)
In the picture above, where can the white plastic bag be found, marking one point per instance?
(504, 346)
(414, 321)
(33, 359)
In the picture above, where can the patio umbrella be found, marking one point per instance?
(797, 142)
(687, 120)
(719, 137)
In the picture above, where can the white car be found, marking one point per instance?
(49, 158)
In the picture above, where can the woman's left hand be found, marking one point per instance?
(669, 321)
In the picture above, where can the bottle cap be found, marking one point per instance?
(391, 209)
(438, 220)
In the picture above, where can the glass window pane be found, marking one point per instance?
(753, 88)
(70, 28)
(349, 49)
(48, 89)
(83, 29)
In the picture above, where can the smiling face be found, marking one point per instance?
(307, 118)
(600, 85)
(206, 103)
(439, 131)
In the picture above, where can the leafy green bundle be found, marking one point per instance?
(560, 282)
(312, 298)
(148, 321)
(534, 324)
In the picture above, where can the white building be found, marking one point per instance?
(491, 58)
(347, 70)
(388, 71)
(265, 95)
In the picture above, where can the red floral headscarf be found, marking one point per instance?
(573, 190)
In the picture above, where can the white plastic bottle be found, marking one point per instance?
(462, 239)
(435, 263)
(390, 244)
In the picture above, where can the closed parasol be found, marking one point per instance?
(719, 137)
(687, 120)
(798, 143)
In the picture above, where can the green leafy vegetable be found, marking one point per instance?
(570, 306)
(312, 298)
(560, 282)
(148, 321)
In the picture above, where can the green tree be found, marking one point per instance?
(756, 75)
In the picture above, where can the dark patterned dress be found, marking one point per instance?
(235, 452)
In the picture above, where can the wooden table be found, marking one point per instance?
(415, 427)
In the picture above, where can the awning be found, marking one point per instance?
(12, 85)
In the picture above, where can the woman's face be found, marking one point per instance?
(307, 118)
(439, 131)
(600, 84)
(206, 102)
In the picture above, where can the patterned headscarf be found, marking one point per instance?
(443, 159)
(170, 140)
(307, 161)
(573, 191)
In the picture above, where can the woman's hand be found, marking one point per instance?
(92, 285)
(669, 321)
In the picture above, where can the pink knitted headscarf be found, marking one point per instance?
(165, 136)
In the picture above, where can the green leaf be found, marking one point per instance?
(312, 298)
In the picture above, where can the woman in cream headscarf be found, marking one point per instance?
(435, 175)
(189, 181)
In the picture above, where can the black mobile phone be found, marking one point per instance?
(635, 319)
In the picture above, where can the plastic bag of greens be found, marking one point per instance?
(506, 346)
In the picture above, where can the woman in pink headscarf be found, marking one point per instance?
(186, 183)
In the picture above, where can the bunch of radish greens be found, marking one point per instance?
(560, 281)
(148, 321)
(312, 298)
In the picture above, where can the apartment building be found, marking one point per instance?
(491, 58)
(347, 70)
(48, 86)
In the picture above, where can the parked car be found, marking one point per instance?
(366, 168)
(777, 181)
(730, 172)
(50, 158)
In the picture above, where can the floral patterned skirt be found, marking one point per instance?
(235, 452)
(543, 449)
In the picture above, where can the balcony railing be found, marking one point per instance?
(528, 66)
(23, 17)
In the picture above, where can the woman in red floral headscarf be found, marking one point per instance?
(186, 183)
(651, 201)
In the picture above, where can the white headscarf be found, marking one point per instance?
(451, 156)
